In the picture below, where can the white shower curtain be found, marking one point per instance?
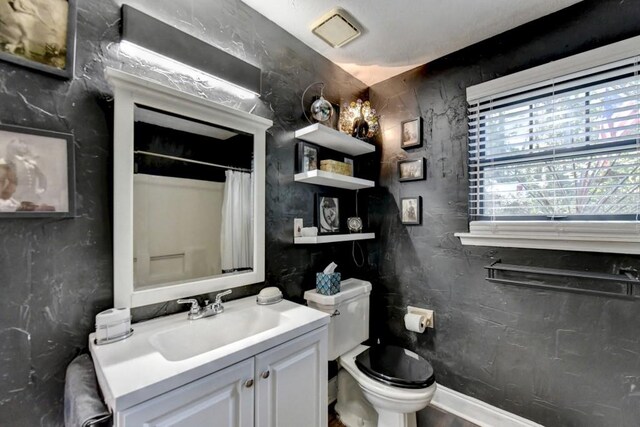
(236, 233)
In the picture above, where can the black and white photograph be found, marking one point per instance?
(36, 173)
(308, 155)
(328, 214)
(411, 131)
(411, 210)
(411, 170)
(39, 34)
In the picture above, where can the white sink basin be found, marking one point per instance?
(200, 336)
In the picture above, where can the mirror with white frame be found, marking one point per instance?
(188, 194)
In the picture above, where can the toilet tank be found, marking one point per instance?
(349, 310)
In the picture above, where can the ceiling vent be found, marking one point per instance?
(336, 28)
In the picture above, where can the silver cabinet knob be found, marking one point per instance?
(265, 374)
(248, 383)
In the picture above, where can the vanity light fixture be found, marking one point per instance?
(166, 63)
(161, 44)
(336, 28)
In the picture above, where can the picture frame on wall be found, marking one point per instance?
(349, 161)
(334, 121)
(328, 214)
(411, 170)
(37, 173)
(411, 210)
(411, 133)
(39, 34)
(307, 157)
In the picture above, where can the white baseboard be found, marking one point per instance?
(476, 411)
(332, 390)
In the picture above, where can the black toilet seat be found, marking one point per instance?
(396, 367)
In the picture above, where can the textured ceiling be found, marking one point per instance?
(402, 34)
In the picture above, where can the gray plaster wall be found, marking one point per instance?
(55, 275)
(556, 358)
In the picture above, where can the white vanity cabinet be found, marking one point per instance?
(291, 383)
(220, 399)
(285, 386)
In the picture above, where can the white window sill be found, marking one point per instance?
(622, 237)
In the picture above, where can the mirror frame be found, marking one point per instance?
(129, 91)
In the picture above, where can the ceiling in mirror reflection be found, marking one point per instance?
(153, 117)
(207, 152)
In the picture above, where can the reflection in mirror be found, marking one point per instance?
(193, 200)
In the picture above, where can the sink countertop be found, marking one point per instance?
(132, 371)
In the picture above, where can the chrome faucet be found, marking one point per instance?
(196, 312)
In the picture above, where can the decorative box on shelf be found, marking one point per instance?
(335, 166)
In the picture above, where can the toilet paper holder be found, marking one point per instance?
(428, 314)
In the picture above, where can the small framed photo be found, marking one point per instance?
(349, 161)
(411, 210)
(411, 170)
(307, 157)
(411, 131)
(39, 34)
(37, 177)
(297, 227)
(327, 214)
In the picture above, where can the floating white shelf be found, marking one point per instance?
(334, 140)
(330, 179)
(332, 238)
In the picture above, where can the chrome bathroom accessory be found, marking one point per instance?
(196, 312)
(113, 325)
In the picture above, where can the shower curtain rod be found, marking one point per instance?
(215, 165)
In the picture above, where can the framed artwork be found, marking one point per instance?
(307, 157)
(411, 133)
(349, 161)
(411, 170)
(327, 214)
(39, 34)
(333, 122)
(411, 210)
(37, 173)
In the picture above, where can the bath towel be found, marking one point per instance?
(83, 406)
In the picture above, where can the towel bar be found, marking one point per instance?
(627, 277)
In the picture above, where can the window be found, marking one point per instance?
(567, 150)
(554, 154)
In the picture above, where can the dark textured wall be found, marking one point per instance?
(55, 275)
(557, 358)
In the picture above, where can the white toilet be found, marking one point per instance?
(381, 385)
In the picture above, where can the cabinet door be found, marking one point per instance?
(291, 383)
(222, 399)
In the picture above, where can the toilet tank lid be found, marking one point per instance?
(349, 289)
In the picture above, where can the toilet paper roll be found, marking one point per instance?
(415, 322)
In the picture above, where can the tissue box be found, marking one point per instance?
(327, 284)
(336, 167)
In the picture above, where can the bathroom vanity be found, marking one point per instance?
(253, 365)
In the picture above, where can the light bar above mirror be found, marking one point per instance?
(144, 35)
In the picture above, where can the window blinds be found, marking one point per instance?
(567, 148)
